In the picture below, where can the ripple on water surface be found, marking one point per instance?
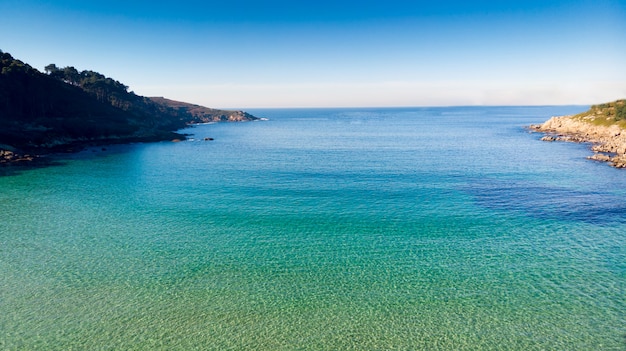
(270, 237)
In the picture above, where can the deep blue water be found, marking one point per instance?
(321, 229)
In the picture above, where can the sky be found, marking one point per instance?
(333, 53)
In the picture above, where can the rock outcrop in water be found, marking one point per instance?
(603, 126)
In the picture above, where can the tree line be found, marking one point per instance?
(105, 89)
(63, 106)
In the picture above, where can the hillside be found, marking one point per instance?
(201, 114)
(64, 109)
(610, 113)
(604, 126)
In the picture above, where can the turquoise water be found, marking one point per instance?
(344, 229)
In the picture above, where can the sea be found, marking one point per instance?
(447, 228)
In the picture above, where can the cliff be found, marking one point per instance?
(64, 109)
(201, 114)
(604, 126)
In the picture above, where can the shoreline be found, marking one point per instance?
(34, 156)
(608, 143)
(30, 156)
(11, 157)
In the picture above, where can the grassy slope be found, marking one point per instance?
(608, 114)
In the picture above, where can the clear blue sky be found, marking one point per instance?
(243, 54)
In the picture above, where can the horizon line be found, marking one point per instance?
(398, 106)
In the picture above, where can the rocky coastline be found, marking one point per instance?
(64, 110)
(8, 156)
(608, 142)
(37, 155)
(29, 155)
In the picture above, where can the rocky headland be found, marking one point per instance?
(201, 114)
(603, 126)
(64, 110)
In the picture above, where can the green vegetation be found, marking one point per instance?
(64, 107)
(610, 113)
(616, 109)
(103, 88)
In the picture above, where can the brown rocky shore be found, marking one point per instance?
(8, 156)
(608, 141)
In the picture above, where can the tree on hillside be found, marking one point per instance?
(71, 75)
(103, 88)
(51, 69)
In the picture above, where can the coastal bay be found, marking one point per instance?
(395, 193)
(320, 229)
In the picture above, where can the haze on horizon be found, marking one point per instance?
(246, 54)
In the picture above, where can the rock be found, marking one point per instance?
(8, 157)
(618, 161)
(600, 157)
(208, 139)
(604, 139)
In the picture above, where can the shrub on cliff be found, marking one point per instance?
(615, 110)
(620, 111)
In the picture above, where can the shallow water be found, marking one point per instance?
(321, 229)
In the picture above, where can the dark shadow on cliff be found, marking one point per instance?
(63, 109)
